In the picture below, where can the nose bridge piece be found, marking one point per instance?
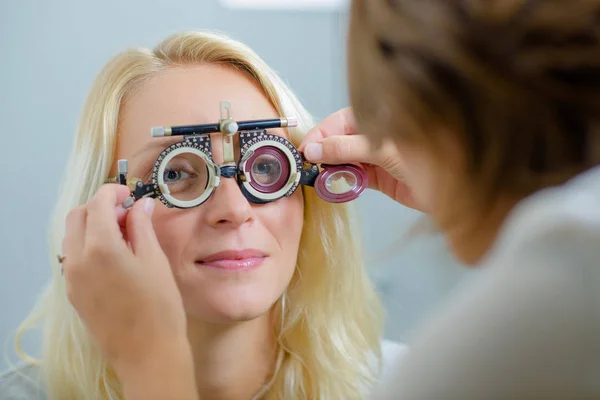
(228, 127)
(229, 171)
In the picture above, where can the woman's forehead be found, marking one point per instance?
(190, 96)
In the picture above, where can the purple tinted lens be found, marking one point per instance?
(269, 169)
(340, 184)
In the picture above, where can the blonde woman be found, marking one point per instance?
(227, 300)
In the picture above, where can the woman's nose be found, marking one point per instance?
(227, 205)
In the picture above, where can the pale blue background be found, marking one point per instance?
(51, 50)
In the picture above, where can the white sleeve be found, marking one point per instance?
(528, 327)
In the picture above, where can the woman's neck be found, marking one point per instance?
(232, 361)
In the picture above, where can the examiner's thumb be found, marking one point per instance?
(140, 231)
(314, 152)
(339, 150)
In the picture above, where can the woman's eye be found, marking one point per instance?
(266, 170)
(173, 176)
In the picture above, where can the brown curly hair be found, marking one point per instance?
(516, 81)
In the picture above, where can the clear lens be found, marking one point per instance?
(186, 177)
(266, 170)
(341, 182)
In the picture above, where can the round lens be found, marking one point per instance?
(340, 182)
(186, 176)
(266, 170)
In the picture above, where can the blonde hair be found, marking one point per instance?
(329, 320)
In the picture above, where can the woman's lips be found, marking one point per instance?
(234, 260)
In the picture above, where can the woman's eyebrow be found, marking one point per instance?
(161, 143)
(164, 142)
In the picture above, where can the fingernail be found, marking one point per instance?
(148, 205)
(128, 202)
(120, 211)
(314, 151)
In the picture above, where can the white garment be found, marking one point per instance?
(528, 325)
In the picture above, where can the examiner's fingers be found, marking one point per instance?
(339, 123)
(353, 149)
(102, 216)
(340, 150)
(74, 239)
(140, 231)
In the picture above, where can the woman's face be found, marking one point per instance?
(203, 243)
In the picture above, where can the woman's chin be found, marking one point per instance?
(232, 297)
(224, 316)
(228, 308)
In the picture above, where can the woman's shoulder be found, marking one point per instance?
(22, 382)
(392, 353)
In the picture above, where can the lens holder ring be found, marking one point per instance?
(268, 153)
(252, 140)
(199, 145)
(330, 170)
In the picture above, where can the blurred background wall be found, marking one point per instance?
(50, 53)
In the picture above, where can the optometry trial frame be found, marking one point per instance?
(270, 167)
